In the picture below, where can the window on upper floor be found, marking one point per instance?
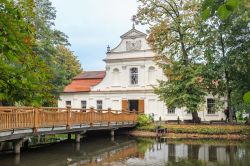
(134, 76)
(99, 105)
(68, 103)
(210, 106)
(84, 105)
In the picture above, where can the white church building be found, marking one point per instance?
(128, 84)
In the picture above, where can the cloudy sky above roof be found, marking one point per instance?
(91, 25)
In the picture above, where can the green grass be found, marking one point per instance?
(201, 129)
(61, 136)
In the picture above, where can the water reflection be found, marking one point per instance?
(134, 152)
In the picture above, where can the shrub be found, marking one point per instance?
(143, 120)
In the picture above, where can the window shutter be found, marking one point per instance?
(141, 106)
(124, 105)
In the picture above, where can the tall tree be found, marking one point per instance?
(32, 71)
(174, 36)
(67, 66)
(22, 72)
(228, 53)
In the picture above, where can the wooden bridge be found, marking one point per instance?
(20, 123)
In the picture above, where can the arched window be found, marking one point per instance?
(116, 77)
(151, 75)
(134, 76)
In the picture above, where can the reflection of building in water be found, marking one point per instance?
(109, 156)
(163, 153)
(203, 153)
(158, 152)
(171, 152)
(175, 152)
(193, 151)
(221, 154)
(212, 153)
(181, 151)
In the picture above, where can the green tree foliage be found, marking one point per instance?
(227, 54)
(200, 56)
(174, 36)
(223, 8)
(29, 57)
(246, 97)
(51, 46)
(66, 66)
(22, 72)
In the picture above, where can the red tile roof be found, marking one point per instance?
(84, 81)
(90, 75)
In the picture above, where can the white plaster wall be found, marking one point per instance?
(124, 67)
(151, 102)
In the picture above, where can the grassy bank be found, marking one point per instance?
(201, 129)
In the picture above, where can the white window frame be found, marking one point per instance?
(84, 105)
(68, 103)
(211, 106)
(99, 105)
(171, 110)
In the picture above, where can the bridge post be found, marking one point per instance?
(112, 132)
(92, 118)
(78, 146)
(68, 117)
(109, 121)
(35, 120)
(17, 146)
(78, 137)
(69, 136)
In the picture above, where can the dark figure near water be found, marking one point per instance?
(227, 112)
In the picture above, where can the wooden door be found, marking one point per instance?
(141, 106)
(124, 105)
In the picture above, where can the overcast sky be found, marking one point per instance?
(93, 24)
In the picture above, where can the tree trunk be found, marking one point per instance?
(196, 118)
(227, 78)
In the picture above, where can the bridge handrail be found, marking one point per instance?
(31, 117)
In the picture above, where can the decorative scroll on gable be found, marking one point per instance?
(133, 40)
(133, 45)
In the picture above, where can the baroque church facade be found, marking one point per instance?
(128, 84)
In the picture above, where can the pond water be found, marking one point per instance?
(127, 151)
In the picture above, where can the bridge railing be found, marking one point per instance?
(29, 117)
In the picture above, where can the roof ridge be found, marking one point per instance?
(133, 30)
(90, 75)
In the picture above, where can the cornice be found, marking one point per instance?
(128, 59)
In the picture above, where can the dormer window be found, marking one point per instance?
(134, 76)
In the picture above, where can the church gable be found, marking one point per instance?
(133, 40)
(132, 34)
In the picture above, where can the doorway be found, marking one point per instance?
(133, 105)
